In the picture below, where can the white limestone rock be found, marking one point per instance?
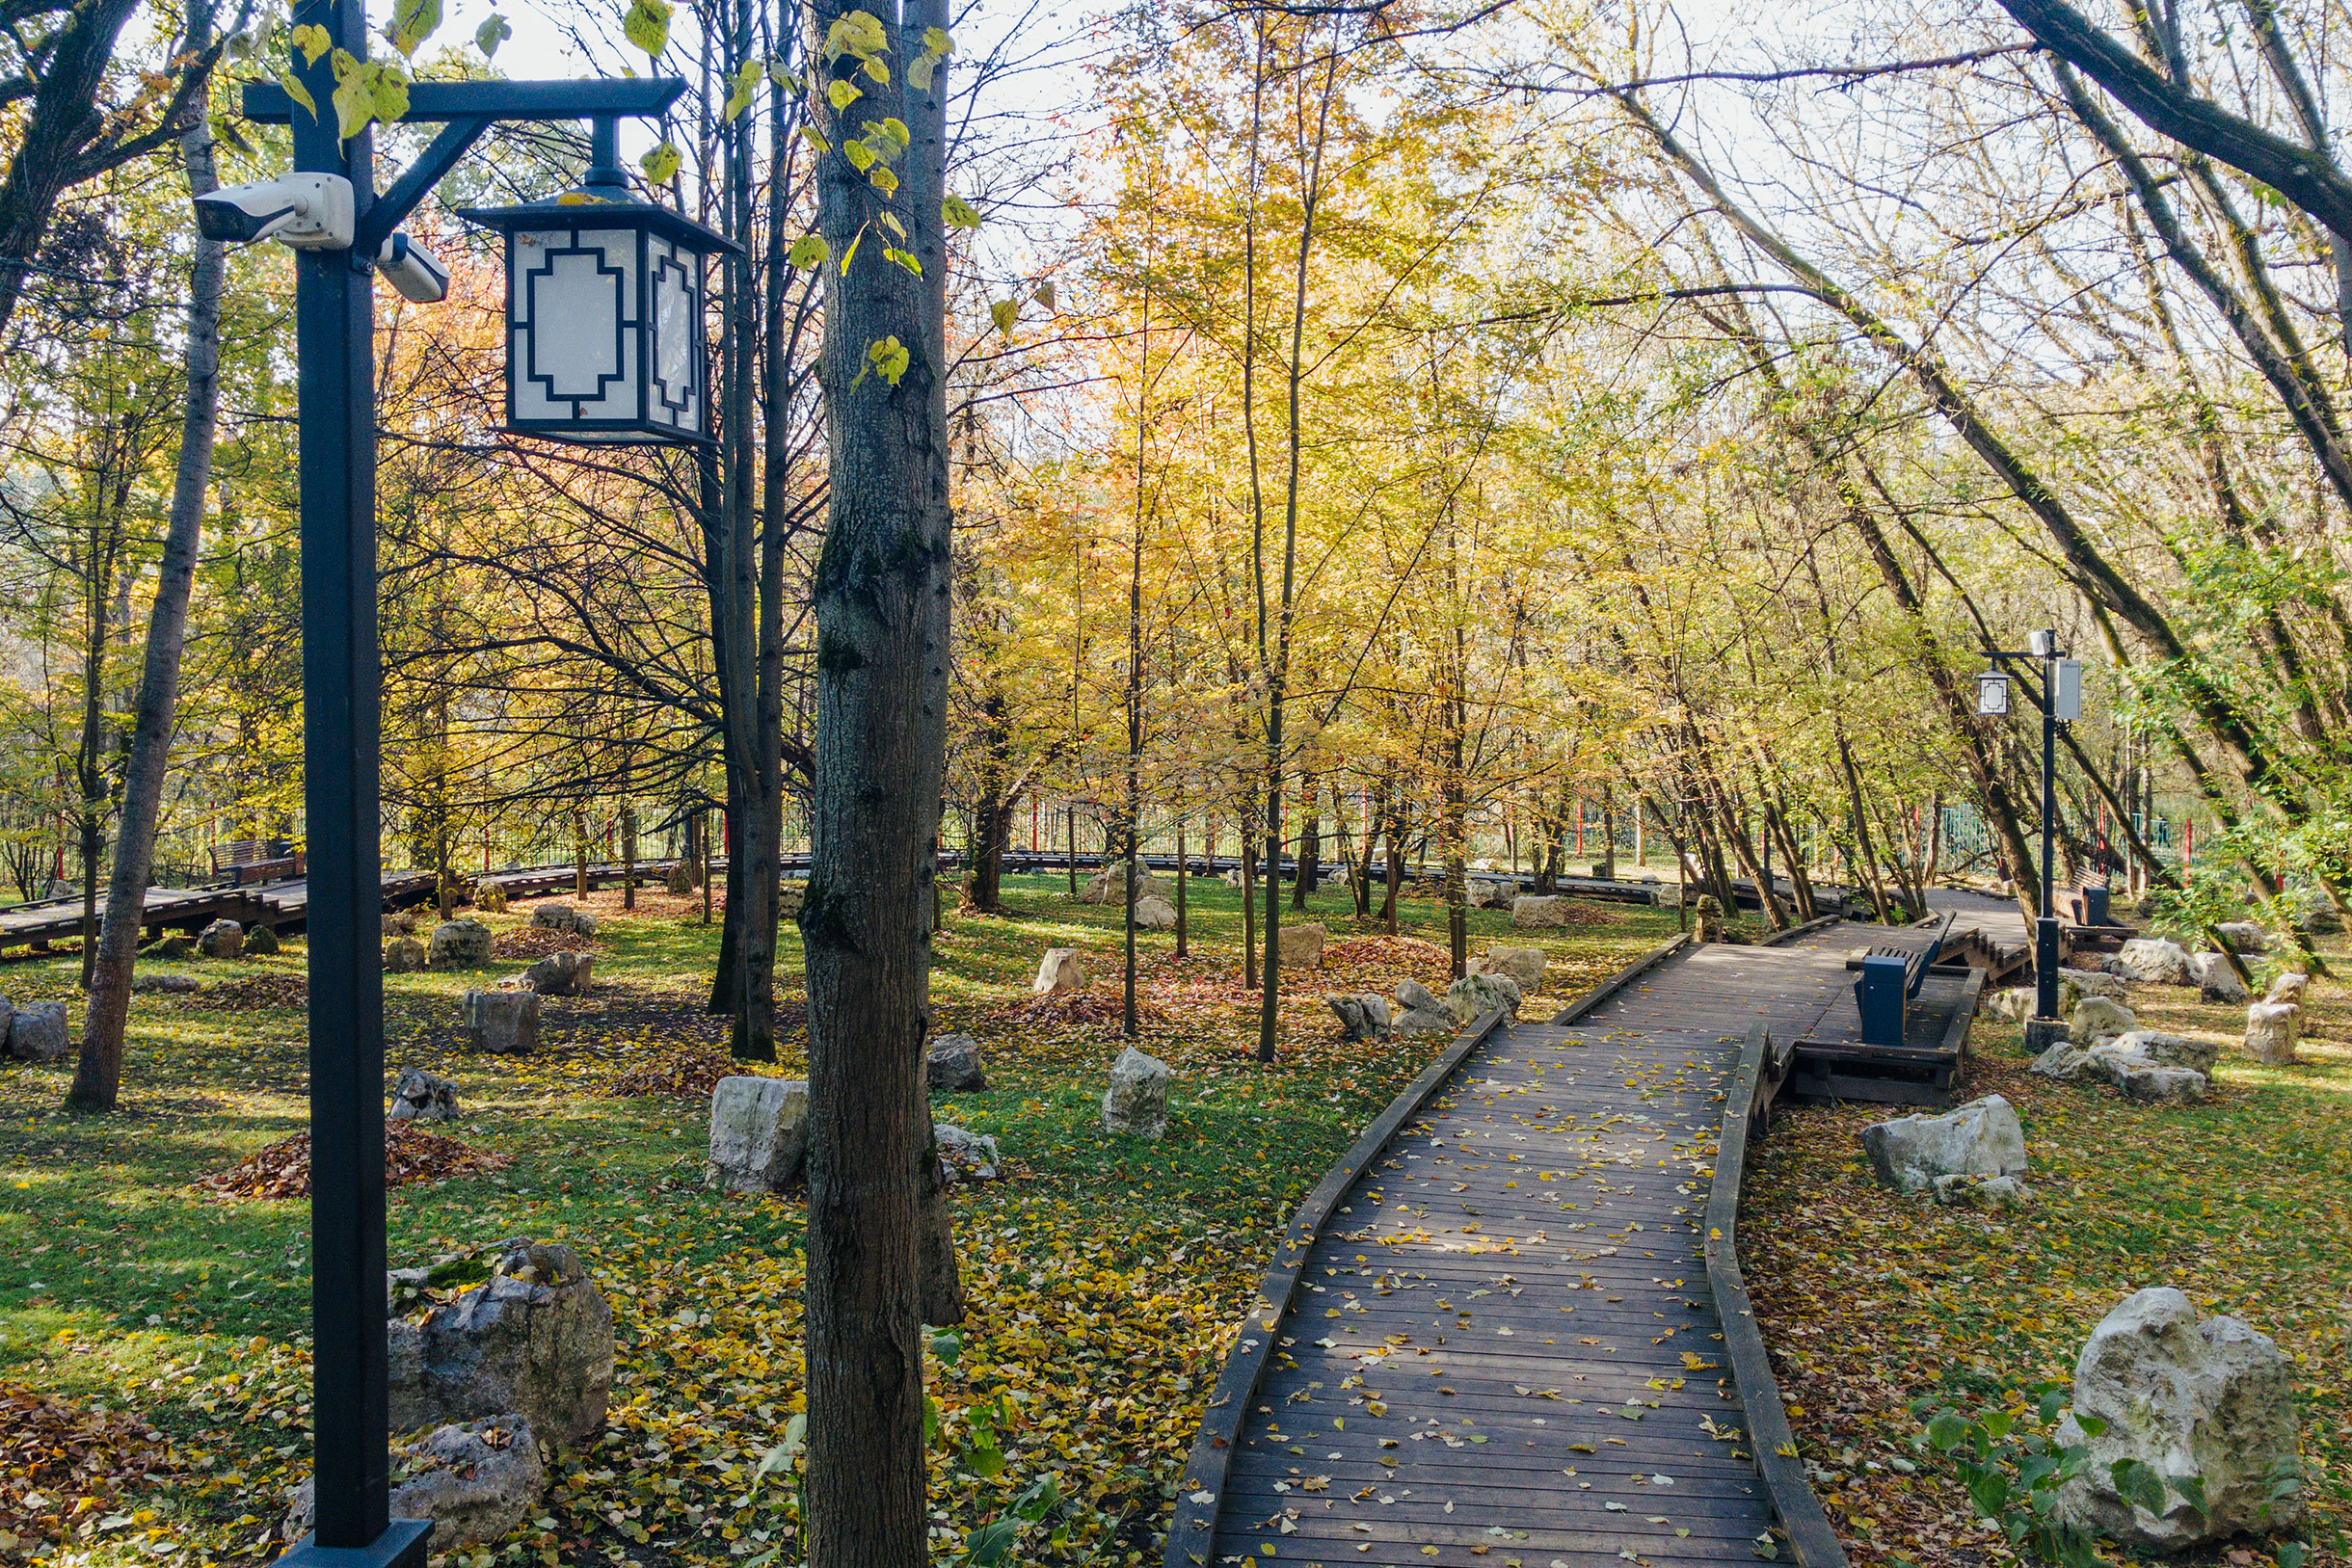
(2066, 1064)
(1155, 913)
(2288, 986)
(1981, 1138)
(1136, 1103)
(2091, 982)
(759, 1135)
(2097, 1018)
(2167, 1049)
(2160, 1085)
(1108, 886)
(533, 1338)
(1524, 965)
(1302, 945)
(2273, 1030)
(2215, 980)
(1063, 968)
(2154, 961)
(2211, 1403)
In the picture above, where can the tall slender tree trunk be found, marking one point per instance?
(881, 592)
(97, 1074)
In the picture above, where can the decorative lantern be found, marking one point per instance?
(1992, 694)
(604, 312)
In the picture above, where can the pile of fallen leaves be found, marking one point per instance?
(52, 1456)
(1386, 952)
(1098, 1005)
(538, 941)
(411, 1154)
(681, 1075)
(252, 994)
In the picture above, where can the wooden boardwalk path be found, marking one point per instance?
(1502, 1347)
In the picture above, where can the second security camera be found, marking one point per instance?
(411, 270)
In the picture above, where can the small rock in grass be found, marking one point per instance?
(36, 1031)
(222, 939)
(403, 955)
(1063, 968)
(422, 1097)
(1474, 995)
(477, 1482)
(2067, 1063)
(759, 1134)
(1302, 945)
(1364, 1016)
(490, 899)
(2167, 1049)
(1155, 914)
(504, 1022)
(1524, 965)
(2216, 982)
(1981, 1138)
(2273, 1030)
(2208, 1404)
(1419, 1010)
(1136, 1103)
(1531, 912)
(262, 942)
(2091, 982)
(965, 1155)
(953, 1064)
(2160, 1085)
(2287, 986)
(554, 918)
(459, 945)
(1960, 1190)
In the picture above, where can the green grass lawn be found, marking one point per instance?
(1871, 1302)
(1106, 1276)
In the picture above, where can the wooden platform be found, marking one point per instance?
(282, 905)
(1501, 1341)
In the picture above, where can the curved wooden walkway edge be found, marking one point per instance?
(1192, 1532)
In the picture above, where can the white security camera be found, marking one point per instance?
(309, 212)
(411, 270)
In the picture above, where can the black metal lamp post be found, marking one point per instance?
(2061, 700)
(334, 315)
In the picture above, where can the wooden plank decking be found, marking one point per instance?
(1503, 1344)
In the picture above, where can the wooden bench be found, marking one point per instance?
(1890, 979)
(247, 860)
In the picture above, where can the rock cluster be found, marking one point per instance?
(1981, 1138)
(564, 917)
(422, 1097)
(1136, 1103)
(759, 1135)
(2206, 1410)
(560, 974)
(2145, 1064)
(1108, 886)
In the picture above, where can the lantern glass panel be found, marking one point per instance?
(575, 325)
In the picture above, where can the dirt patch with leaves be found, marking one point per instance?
(411, 1154)
(1878, 1309)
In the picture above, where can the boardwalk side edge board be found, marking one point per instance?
(1193, 1531)
(1813, 1543)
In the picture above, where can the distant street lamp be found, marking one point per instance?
(647, 324)
(2060, 702)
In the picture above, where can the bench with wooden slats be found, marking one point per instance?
(244, 861)
(1890, 979)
